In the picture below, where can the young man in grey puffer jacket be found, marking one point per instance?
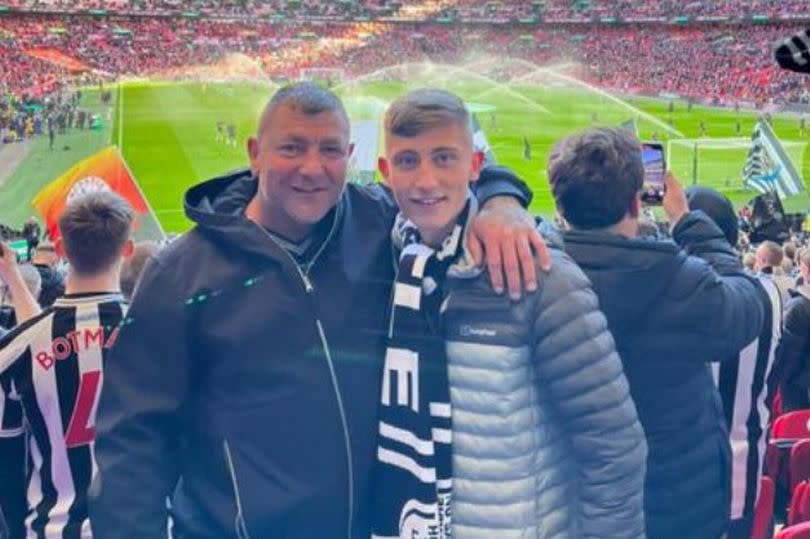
(546, 442)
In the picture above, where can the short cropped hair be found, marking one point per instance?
(307, 98)
(94, 228)
(789, 250)
(595, 175)
(423, 109)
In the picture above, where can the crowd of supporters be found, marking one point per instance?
(217, 8)
(724, 63)
(463, 10)
(566, 10)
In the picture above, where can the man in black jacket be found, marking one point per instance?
(671, 314)
(245, 384)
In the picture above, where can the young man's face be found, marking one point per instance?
(430, 175)
(300, 161)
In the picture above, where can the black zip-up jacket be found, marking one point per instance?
(245, 386)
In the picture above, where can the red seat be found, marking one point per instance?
(796, 512)
(790, 426)
(800, 531)
(763, 511)
(799, 463)
(794, 425)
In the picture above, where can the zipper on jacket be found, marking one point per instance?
(239, 522)
(308, 286)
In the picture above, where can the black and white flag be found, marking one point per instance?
(794, 52)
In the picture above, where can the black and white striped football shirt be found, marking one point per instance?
(747, 388)
(50, 378)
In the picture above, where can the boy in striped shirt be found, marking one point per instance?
(51, 370)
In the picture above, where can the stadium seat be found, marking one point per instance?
(763, 511)
(800, 531)
(794, 425)
(799, 463)
(790, 426)
(797, 512)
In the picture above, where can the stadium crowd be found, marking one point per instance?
(218, 8)
(585, 11)
(718, 63)
(461, 10)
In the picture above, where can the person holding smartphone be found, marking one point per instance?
(672, 314)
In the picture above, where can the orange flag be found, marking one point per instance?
(102, 171)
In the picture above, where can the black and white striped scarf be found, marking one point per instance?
(413, 471)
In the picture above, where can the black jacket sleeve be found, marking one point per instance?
(730, 310)
(699, 236)
(792, 355)
(146, 384)
(504, 185)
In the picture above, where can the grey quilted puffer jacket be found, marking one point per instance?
(546, 440)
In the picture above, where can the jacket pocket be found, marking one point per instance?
(240, 528)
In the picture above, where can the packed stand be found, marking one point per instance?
(244, 9)
(590, 10)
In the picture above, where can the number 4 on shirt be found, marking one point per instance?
(82, 427)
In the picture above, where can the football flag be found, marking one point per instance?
(103, 171)
(768, 167)
(794, 52)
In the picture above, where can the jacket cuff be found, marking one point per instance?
(486, 189)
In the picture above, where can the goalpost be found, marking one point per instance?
(719, 162)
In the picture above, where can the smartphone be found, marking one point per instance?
(655, 167)
(19, 248)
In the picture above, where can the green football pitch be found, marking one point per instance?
(167, 134)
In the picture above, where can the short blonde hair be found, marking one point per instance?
(423, 109)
